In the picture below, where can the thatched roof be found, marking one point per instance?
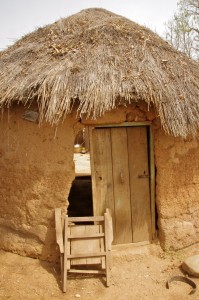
(99, 60)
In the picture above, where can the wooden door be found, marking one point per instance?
(120, 180)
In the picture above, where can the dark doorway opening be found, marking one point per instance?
(80, 197)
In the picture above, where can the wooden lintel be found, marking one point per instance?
(124, 124)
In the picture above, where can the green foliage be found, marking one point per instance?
(182, 30)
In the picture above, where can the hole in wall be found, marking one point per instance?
(80, 197)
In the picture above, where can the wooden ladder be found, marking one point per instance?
(85, 245)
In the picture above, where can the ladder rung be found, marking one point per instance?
(87, 255)
(85, 236)
(87, 271)
(85, 219)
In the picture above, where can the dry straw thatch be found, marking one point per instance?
(99, 60)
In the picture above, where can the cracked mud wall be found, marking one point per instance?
(177, 190)
(36, 171)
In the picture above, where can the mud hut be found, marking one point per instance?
(136, 96)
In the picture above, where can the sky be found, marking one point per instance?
(19, 17)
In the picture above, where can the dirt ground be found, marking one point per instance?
(136, 273)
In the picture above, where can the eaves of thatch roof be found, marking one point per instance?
(101, 59)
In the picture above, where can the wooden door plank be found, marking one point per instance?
(123, 228)
(101, 170)
(139, 183)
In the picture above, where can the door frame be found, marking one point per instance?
(147, 124)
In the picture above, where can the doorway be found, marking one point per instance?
(121, 180)
(80, 196)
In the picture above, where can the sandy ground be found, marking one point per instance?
(136, 273)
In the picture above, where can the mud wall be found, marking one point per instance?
(36, 171)
(177, 190)
(135, 112)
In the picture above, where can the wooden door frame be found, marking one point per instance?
(151, 163)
